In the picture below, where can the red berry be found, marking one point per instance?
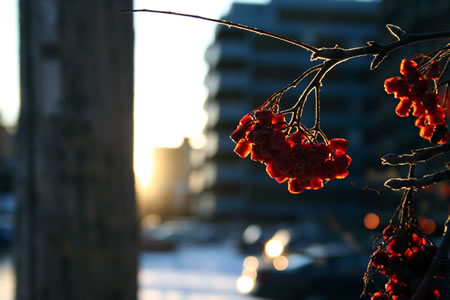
(296, 185)
(246, 119)
(418, 108)
(436, 116)
(315, 183)
(440, 135)
(379, 296)
(408, 68)
(403, 107)
(273, 170)
(264, 116)
(243, 148)
(395, 287)
(427, 131)
(379, 258)
(338, 146)
(420, 87)
(397, 86)
(434, 70)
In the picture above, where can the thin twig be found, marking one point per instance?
(418, 155)
(370, 188)
(374, 48)
(402, 183)
(230, 25)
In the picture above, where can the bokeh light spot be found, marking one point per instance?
(371, 221)
(427, 225)
(250, 263)
(244, 284)
(280, 263)
(273, 248)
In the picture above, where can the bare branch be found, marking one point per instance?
(230, 25)
(374, 48)
(403, 183)
(418, 155)
(369, 188)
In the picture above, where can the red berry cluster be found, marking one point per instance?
(287, 153)
(403, 256)
(418, 92)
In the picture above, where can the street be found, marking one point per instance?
(203, 272)
(193, 272)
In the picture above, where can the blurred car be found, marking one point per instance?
(168, 235)
(287, 269)
(334, 277)
(253, 238)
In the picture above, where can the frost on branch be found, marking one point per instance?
(396, 31)
(402, 183)
(416, 156)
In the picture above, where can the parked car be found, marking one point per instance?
(168, 235)
(253, 238)
(286, 270)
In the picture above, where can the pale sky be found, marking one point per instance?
(9, 72)
(169, 76)
(169, 73)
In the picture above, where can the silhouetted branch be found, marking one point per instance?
(402, 183)
(378, 51)
(373, 48)
(231, 25)
(370, 188)
(418, 155)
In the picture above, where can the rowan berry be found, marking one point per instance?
(379, 296)
(288, 154)
(417, 91)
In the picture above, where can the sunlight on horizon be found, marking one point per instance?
(9, 75)
(169, 79)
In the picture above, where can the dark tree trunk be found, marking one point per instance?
(76, 212)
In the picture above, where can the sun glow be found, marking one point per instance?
(170, 70)
(169, 75)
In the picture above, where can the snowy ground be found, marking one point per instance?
(193, 272)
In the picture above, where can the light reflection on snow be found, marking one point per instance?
(7, 280)
(153, 294)
(205, 281)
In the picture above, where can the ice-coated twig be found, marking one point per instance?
(416, 156)
(403, 183)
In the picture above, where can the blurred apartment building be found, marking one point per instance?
(6, 160)
(246, 68)
(169, 194)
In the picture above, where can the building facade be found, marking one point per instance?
(246, 69)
